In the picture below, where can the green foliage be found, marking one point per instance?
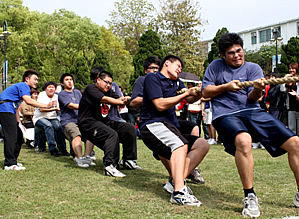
(290, 55)
(101, 59)
(149, 45)
(214, 53)
(80, 72)
(263, 57)
(178, 23)
(130, 19)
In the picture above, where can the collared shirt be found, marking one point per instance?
(157, 86)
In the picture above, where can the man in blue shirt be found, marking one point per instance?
(11, 99)
(239, 119)
(159, 127)
(69, 100)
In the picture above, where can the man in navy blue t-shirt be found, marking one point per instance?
(159, 127)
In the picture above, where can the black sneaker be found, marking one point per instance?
(40, 149)
(54, 152)
(64, 153)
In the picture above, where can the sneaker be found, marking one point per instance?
(130, 164)
(196, 177)
(212, 141)
(169, 186)
(14, 167)
(251, 206)
(40, 149)
(80, 162)
(184, 198)
(93, 158)
(255, 145)
(19, 164)
(296, 200)
(112, 171)
(64, 153)
(54, 152)
(89, 161)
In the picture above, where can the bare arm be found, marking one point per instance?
(113, 101)
(214, 90)
(74, 106)
(136, 102)
(257, 91)
(34, 103)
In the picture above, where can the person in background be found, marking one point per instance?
(27, 112)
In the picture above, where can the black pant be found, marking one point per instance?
(107, 137)
(12, 138)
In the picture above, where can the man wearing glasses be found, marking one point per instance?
(105, 133)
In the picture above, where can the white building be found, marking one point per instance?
(257, 37)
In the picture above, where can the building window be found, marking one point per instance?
(253, 38)
(298, 28)
(265, 35)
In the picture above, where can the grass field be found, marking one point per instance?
(53, 187)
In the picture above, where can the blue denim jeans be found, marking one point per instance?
(52, 130)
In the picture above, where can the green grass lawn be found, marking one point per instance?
(53, 187)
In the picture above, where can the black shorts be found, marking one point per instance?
(262, 126)
(162, 138)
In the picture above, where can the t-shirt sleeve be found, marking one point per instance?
(64, 99)
(209, 77)
(152, 86)
(138, 88)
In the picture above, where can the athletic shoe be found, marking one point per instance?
(89, 161)
(112, 171)
(54, 152)
(212, 141)
(64, 153)
(169, 186)
(130, 164)
(296, 200)
(80, 162)
(255, 145)
(251, 206)
(40, 149)
(14, 167)
(19, 164)
(93, 158)
(184, 198)
(196, 177)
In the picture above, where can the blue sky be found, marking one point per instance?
(235, 15)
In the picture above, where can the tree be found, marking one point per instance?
(149, 45)
(214, 52)
(101, 59)
(130, 19)
(80, 72)
(178, 23)
(290, 53)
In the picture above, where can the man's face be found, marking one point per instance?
(173, 69)
(68, 83)
(104, 84)
(292, 71)
(50, 90)
(151, 68)
(32, 81)
(234, 56)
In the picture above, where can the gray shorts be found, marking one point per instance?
(71, 131)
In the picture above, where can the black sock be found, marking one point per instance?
(247, 191)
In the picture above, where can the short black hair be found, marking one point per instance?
(227, 40)
(46, 84)
(28, 74)
(95, 72)
(149, 60)
(65, 75)
(104, 74)
(275, 74)
(34, 90)
(171, 58)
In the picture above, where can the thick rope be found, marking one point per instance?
(272, 81)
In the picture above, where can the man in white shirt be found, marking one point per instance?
(47, 124)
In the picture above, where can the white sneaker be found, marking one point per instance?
(184, 198)
(255, 145)
(130, 164)
(251, 206)
(19, 164)
(14, 167)
(169, 186)
(296, 200)
(112, 171)
(89, 161)
(80, 162)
